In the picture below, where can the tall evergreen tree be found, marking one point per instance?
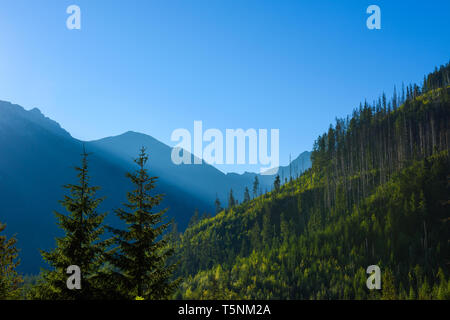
(246, 195)
(194, 219)
(277, 183)
(255, 187)
(9, 279)
(218, 205)
(81, 244)
(142, 248)
(231, 200)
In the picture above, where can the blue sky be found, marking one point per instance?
(155, 66)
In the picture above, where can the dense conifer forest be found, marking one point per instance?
(377, 193)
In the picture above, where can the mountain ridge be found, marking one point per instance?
(39, 156)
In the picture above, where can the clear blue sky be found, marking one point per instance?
(154, 66)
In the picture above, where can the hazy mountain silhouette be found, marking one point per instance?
(201, 180)
(37, 157)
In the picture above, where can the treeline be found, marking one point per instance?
(384, 137)
(377, 193)
(93, 260)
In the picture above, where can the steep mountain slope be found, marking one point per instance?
(377, 193)
(37, 158)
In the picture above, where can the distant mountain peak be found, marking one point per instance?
(36, 111)
(33, 115)
(135, 138)
(132, 133)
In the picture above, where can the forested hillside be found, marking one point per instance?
(377, 193)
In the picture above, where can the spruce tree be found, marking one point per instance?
(194, 219)
(246, 195)
(140, 257)
(9, 279)
(218, 205)
(255, 187)
(231, 200)
(277, 183)
(82, 244)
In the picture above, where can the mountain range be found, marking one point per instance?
(38, 156)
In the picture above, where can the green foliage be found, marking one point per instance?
(218, 205)
(81, 244)
(388, 281)
(255, 187)
(277, 183)
(294, 261)
(9, 279)
(139, 259)
(231, 200)
(377, 193)
(246, 195)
